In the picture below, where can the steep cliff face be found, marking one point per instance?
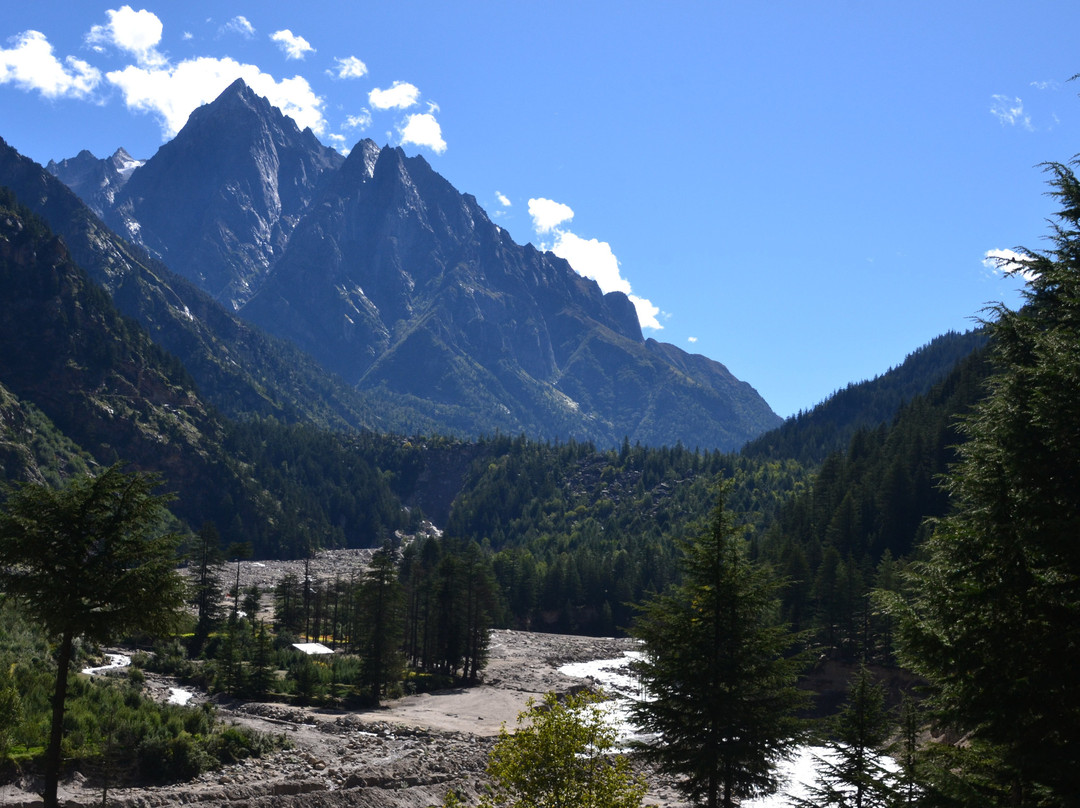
(95, 375)
(392, 249)
(220, 200)
(399, 283)
(402, 286)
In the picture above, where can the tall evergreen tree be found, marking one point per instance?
(480, 604)
(92, 559)
(382, 609)
(994, 619)
(853, 773)
(206, 588)
(721, 695)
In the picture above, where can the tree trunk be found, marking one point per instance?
(56, 734)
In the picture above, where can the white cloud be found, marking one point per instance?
(691, 339)
(240, 25)
(137, 32)
(360, 121)
(292, 45)
(31, 65)
(171, 93)
(548, 214)
(646, 312)
(1009, 262)
(348, 68)
(591, 258)
(423, 130)
(594, 259)
(1010, 111)
(503, 199)
(401, 95)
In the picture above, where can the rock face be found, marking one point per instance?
(402, 286)
(237, 367)
(96, 181)
(218, 201)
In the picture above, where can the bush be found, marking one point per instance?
(234, 744)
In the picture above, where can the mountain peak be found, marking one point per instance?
(238, 102)
(238, 87)
(386, 274)
(219, 201)
(362, 160)
(96, 181)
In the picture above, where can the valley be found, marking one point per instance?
(405, 754)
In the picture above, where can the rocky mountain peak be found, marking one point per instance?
(359, 166)
(387, 275)
(96, 181)
(219, 201)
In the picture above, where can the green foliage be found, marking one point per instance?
(854, 775)
(115, 734)
(93, 560)
(32, 447)
(994, 615)
(811, 436)
(579, 534)
(328, 488)
(11, 710)
(864, 513)
(382, 624)
(720, 685)
(562, 755)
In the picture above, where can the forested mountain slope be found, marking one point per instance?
(812, 435)
(88, 386)
(867, 507)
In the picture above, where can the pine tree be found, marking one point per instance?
(853, 773)
(905, 751)
(721, 695)
(206, 588)
(994, 619)
(382, 607)
(92, 559)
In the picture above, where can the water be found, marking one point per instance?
(613, 676)
(115, 661)
(177, 695)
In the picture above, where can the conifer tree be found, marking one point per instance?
(853, 773)
(206, 588)
(382, 609)
(92, 559)
(994, 618)
(721, 695)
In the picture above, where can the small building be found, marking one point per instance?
(312, 648)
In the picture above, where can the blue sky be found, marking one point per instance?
(806, 192)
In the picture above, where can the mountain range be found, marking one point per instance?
(83, 385)
(420, 313)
